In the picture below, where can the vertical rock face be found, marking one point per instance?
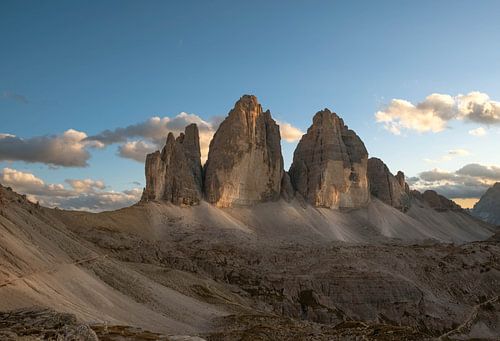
(392, 190)
(175, 174)
(244, 164)
(329, 166)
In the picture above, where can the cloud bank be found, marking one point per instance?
(137, 140)
(436, 110)
(67, 150)
(150, 135)
(470, 181)
(79, 194)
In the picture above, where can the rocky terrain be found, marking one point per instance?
(488, 207)
(222, 274)
(336, 249)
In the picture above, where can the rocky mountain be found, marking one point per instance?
(390, 189)
(329, 166)
(175, 174)
(244, 164)
(488, 207)
(244, 264)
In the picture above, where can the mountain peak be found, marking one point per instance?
(244, 164)
(329, 166)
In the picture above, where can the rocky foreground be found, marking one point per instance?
(159, 272)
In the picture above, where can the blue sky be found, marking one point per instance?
(96, 65)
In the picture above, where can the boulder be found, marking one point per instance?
(175, 174)
(329, 166)
(244, 164)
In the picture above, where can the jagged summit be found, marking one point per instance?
(175, 174)
(244, 164)
(329, 166)
(248, 104)
(390, 189)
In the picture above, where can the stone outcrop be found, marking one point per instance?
(244, 164)
(390, 189)
(488, 207)
(436, 201)
(175, 174)
(329, 166)
(36, 323)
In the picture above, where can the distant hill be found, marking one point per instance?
(488, 207)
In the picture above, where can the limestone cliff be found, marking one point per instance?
(175, 174)
(329, 166)
(244, 164)
(392, 190)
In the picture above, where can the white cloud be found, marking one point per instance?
(478, 107)
(136, 150)
(71, 148)
(401, 114)
(85, 185)
(478, 132)
(134, 141)
(82, 194)
(154, 129)
(289, 133)
(68, 149)
(436, 110)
